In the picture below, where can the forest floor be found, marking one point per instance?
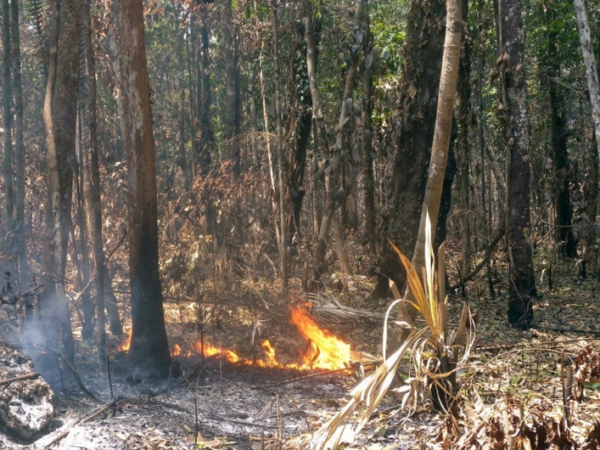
(237, 406)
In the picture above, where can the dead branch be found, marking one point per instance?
(76, 375)
(84, 419)
(486, 257)
(20, 377)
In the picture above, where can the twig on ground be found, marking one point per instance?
(76, 375)
(20, 377)
(81, 420)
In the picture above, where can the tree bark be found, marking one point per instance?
(280, 156)
(522, 289)
(591, 68)
(423, 49)
(367, 169)
(7, 119)
(333, 165)
(19, 151)
(443, 129)
(563, 220)
(149, 352)
(232, 118)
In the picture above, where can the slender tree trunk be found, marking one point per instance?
(563, 220)
(443, 129)
(522, 289)
(423, 49)
(149, 346)
(591, 68)
(280, 156)
(81, 248)
(61, 150)
(206, 139)
(367, 169)
(464, 151)
(19, 146)
(335, 192)
(7, 118)
(302, 137)
(231, 119)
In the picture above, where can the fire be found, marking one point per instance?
(124, 347)
(176, 350)
(324, 352)
(329, 352)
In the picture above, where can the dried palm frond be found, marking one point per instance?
(430, 350)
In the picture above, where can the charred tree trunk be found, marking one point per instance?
(563, 221)
(522, 289)
(7, 119)
(19, 151)
(303, 125)
(423, 50)
(149, 351)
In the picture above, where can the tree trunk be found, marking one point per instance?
(303, 126)
(443, 129)
(280, 156)
(232, 92)
(19, 152)
(92, 189)
(464, 151)
(367, 169)
(522, 289)
(333, 165)
(423, 50)
(563, 220)
(62, 113)
(591, 68)
(149, 351)
(112, 306)
(7, 120)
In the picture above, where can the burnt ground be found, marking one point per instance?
(241, 407)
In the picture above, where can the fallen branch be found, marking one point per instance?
(84, 419)
(20, 377)
(486, 257)
(76, 375)
(149, 401)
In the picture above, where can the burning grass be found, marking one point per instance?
(322, 349)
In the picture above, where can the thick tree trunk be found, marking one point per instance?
(522, 289)
(283, 264)
(591, 68)
(19, 152)
(149, 351)
(423, 50)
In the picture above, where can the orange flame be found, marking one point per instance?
(124, 347)
(329, 352)
(325, 351)
(176, 350)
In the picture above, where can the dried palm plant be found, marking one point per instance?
(434, 354)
